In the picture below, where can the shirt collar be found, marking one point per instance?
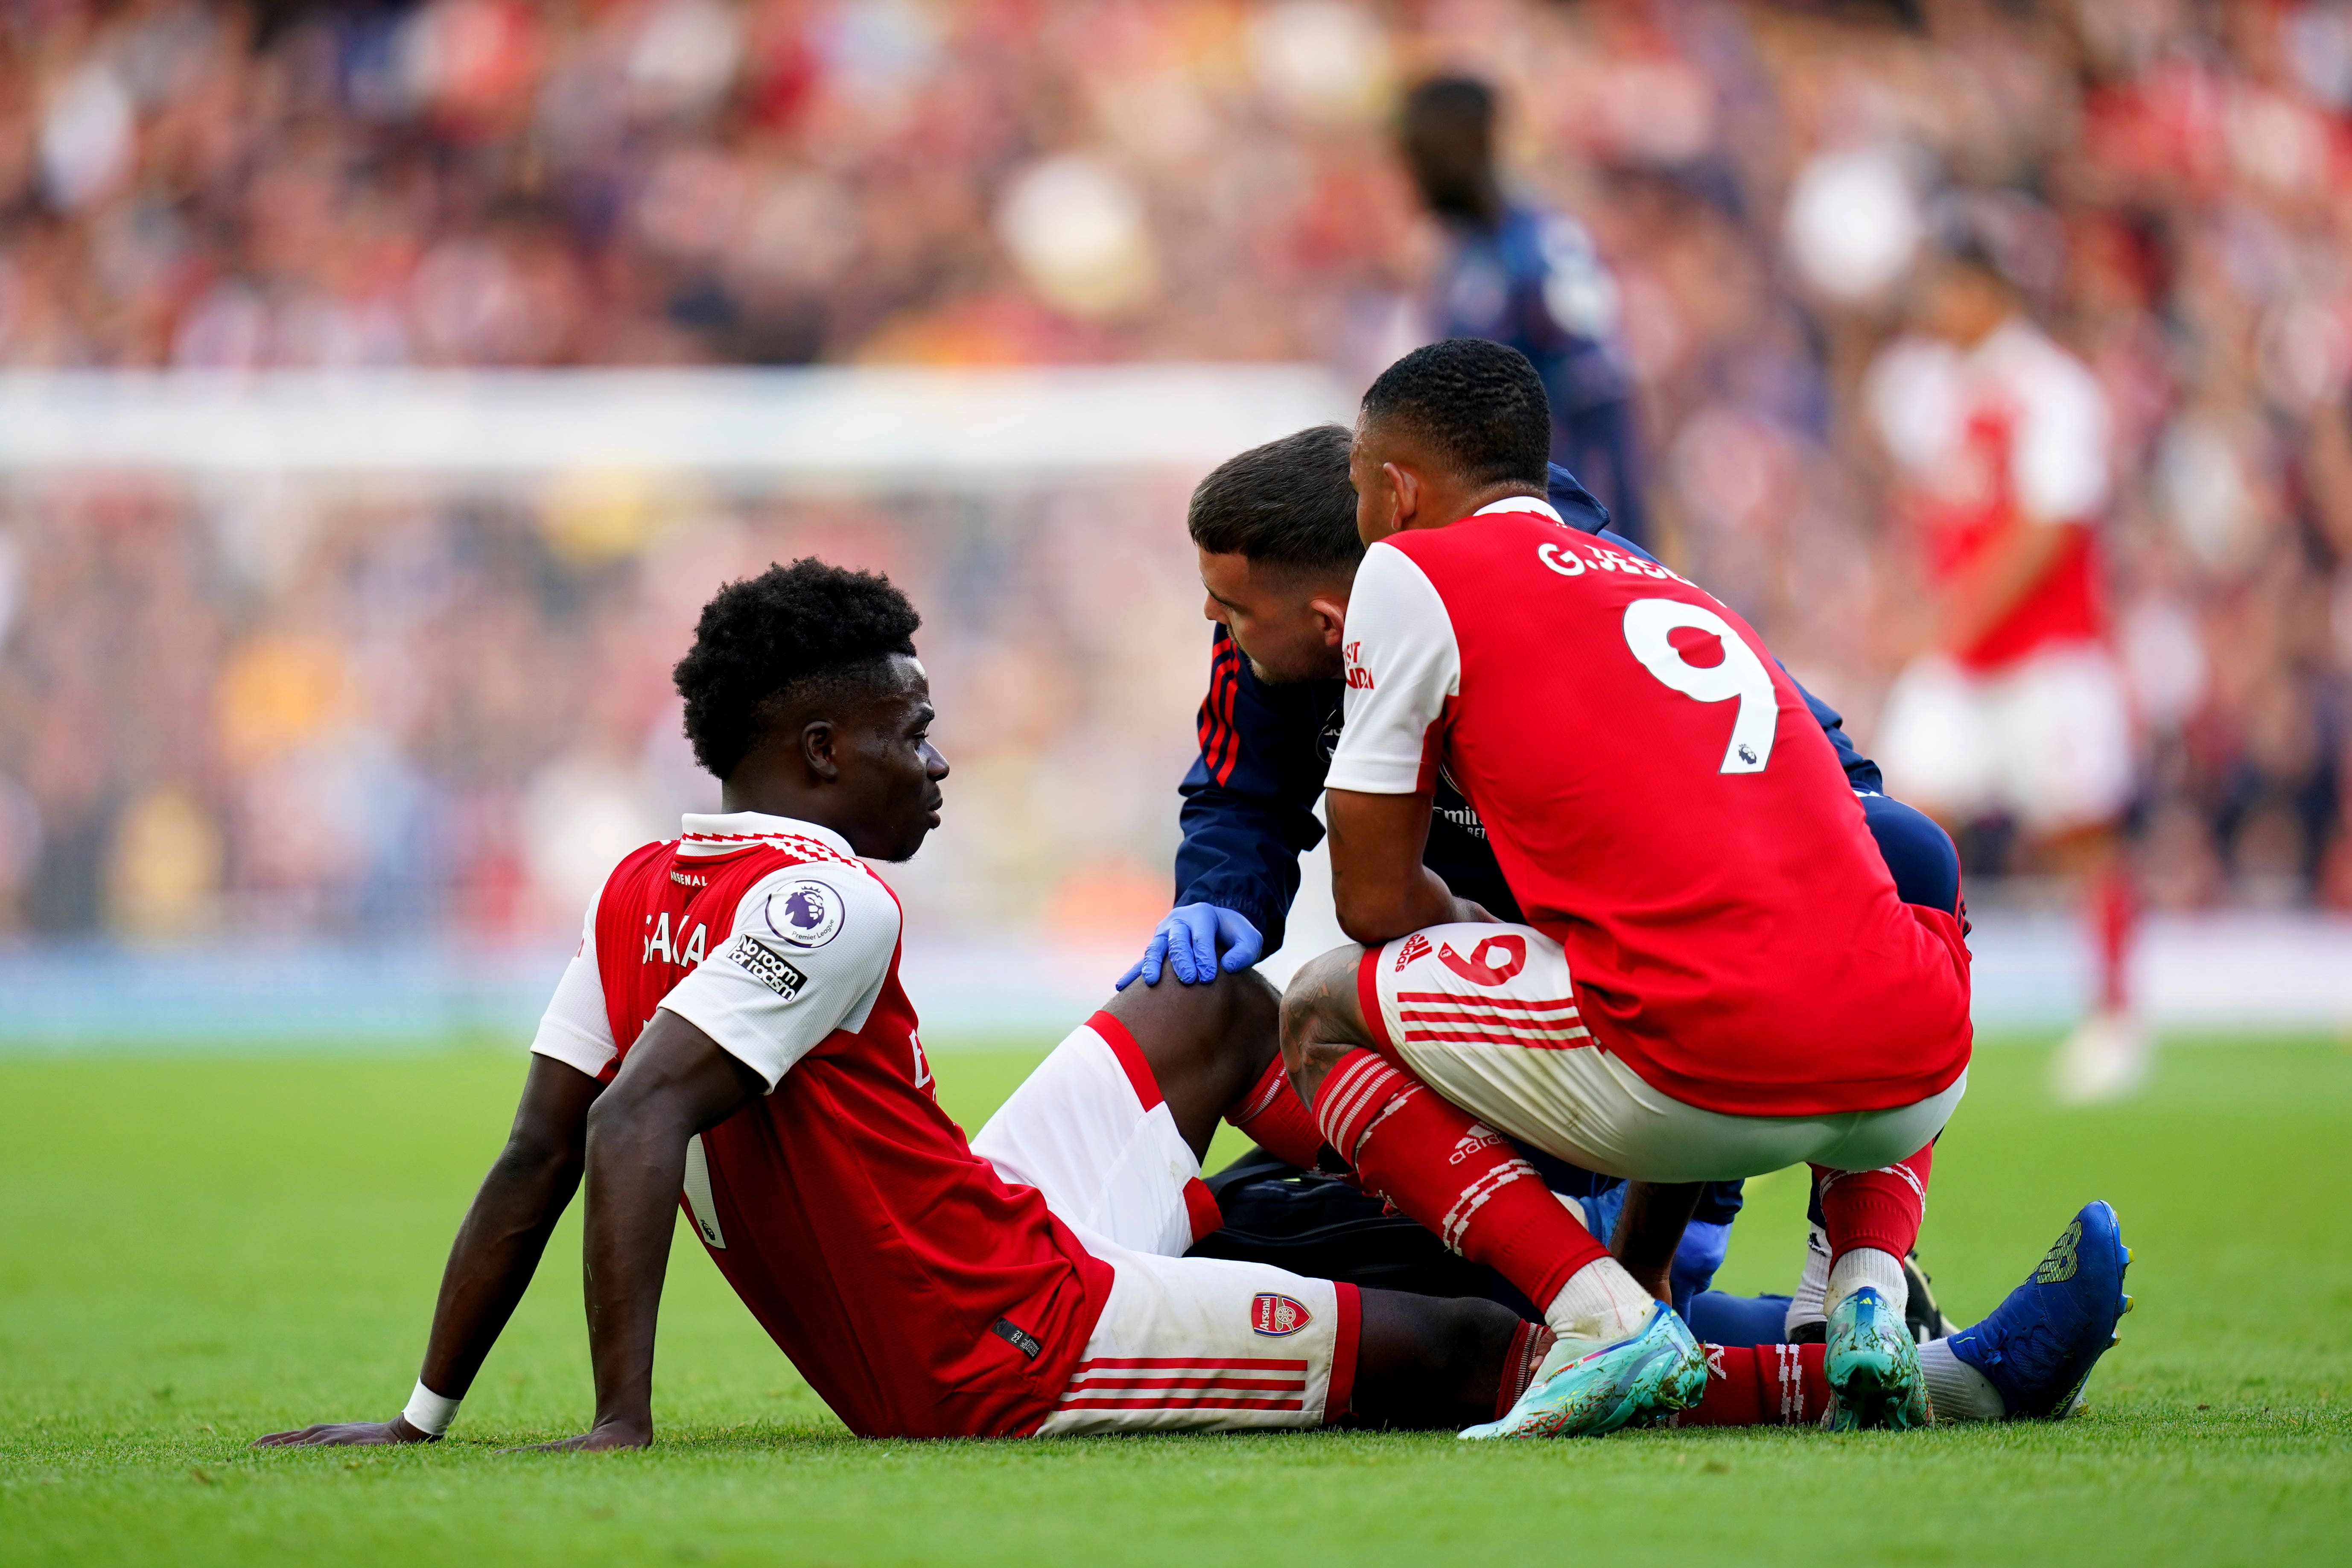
(724, 833)
(1536, 504)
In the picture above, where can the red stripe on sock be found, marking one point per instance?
(1131, 1060)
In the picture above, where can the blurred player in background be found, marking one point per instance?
(2015, 707)
(1519, 275)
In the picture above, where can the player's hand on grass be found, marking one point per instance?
(348, 1433)
(598, 1440)
(1187, 943)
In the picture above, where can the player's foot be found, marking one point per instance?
(2107, 1058)
(1583, 1390)
(2037, 1348)
(1873, 1364)
(1921, 1314)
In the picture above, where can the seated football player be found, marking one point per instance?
(1275, 533)
(1717, 976)
(733, 1037)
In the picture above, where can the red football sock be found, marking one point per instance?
(1273, 1114)
(1763, 1385)
(1879, 1208)
(1454, 1174)
(2115, 921)
(1529, 1345)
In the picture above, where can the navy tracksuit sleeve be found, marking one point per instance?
(1249, 799)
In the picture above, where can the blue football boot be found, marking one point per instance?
(2038, 1347)
(1873, 1365)
(1583, 1390)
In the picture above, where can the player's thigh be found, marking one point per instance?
(1934, 742)
(1088, 1130)
(2064, 740)
(1200, 1342)
(1871, 1141)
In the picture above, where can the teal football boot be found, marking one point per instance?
(1584, 1389)
(1873, 1367)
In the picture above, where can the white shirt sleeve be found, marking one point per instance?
(809, 952)
(575, 1029)
(2059, 455)
(1404, 664)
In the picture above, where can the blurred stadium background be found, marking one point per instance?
(383, 387)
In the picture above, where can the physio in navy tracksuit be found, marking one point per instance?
(1249, 813)
(1516, 274)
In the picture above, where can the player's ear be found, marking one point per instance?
(818, 738)
(1330, 617)
(1404, 493)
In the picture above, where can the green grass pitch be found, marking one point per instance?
(197, 1249)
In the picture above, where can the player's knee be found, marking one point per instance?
(1318, 1002)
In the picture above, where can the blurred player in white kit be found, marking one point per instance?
(2016, 703)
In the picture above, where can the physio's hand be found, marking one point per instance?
(347, 1433)
(1187, 943)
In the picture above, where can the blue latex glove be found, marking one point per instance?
(1187, 943)
(1696, 1261)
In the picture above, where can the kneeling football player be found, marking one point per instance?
(733, 1030)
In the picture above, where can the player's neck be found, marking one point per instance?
(1445, 505)
(778, 798)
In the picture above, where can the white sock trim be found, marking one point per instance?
(1600, 1301)
(428, 1412)
(1867, 1265)
(1957, 1391)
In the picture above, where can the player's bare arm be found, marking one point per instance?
(1378, 884)
(497, 1251)
(675, 1083)
(1991, 586)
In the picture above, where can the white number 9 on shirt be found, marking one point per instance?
(1649, 625)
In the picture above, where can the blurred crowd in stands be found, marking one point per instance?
(371, 712)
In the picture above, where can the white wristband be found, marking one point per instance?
(428, 1412)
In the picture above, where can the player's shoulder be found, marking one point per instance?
(808, 904)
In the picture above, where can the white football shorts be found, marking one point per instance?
(2047, 739)
(1183, 1342)
(1513, 1053)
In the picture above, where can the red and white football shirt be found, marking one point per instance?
(1664, 805)
(919, 1293)
(2013, 432)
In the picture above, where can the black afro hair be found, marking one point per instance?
(1478, 407)
(766, 640)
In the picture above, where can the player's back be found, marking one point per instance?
(1663, 802)
(918, 1293)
